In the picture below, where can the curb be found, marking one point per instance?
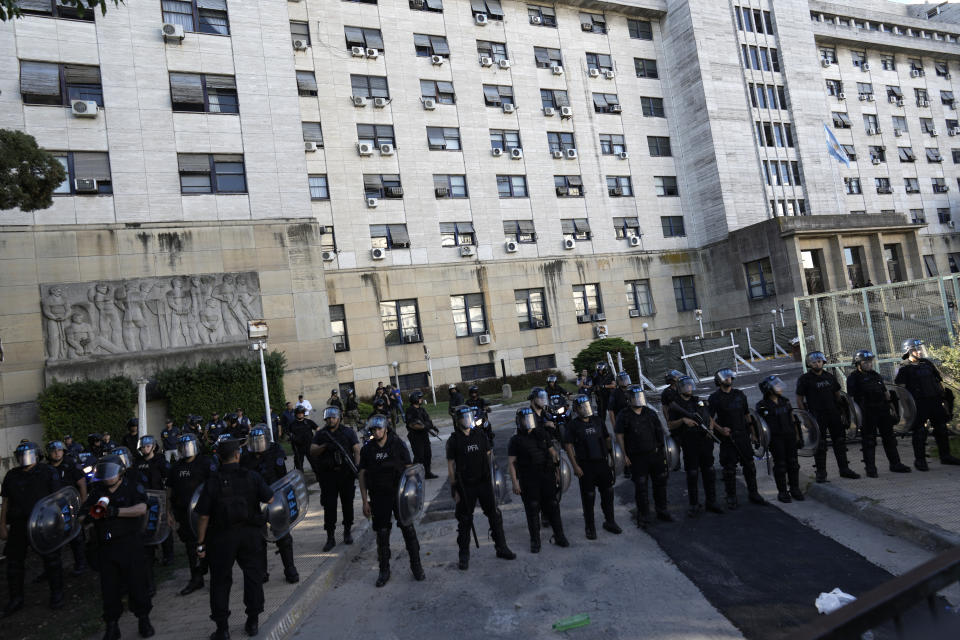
(929, 536)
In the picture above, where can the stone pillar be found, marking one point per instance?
(142, 406)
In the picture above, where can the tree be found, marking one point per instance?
(28, 174)
(10, 9)
(597, 351)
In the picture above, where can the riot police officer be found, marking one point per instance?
(533, 472)
(538, 405)
(731, 411)
(866, 387)
(301, 433)
(670, 395)
(553, 387)
(617, 399)
(454, 400)
(169, 437)
(243, 424)
(381, 407)
(351, 413)
(334, 400)
(819, 392)
(215, 426)
(269, 460)
(189, 471)
(95, 444)
(382, 462)
(481, 409)
(23, 486)
(116, 504)
(70, 475)
(640, 435)
(335, 455)
(588, 445)
(776, 411)
(419, 427)
(131, 438)
(74, 449)
(689, 414)
(469, 465)
(153, 470)
(231, 523)
(924, 382)
(603, 384)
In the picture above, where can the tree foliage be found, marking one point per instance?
(597, 351)
(10, 9)
(28, 174)
(88, 406)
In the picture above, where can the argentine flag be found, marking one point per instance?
(834, 148)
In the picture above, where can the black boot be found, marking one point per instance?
(782, 494)
(144, 628)
(252, 626)
(558, 538)
(383, 555)
(533, 526)
(331, 541)
(943, 448)
(795, 492)
(413, 550)
(111, 631)
(820, 464)
(870, 461)
(730, 488)
(893, 456)
(693, 491)
(660, 501)
(285, 550)
(845, 471)
(463, 542)
(606, 505)
(500, 538)
(753, 494)
(347, 537)
(710, 492)
(222, 632)
(588, 500)
(196, 582)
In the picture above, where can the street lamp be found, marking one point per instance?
(699, 315)
(646, 340)
(396, 373)
(780, 312)
(257, 334)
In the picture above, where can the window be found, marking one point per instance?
(812, 262)
(455, 234)
(852, 186)
(759, 279)
(892, 256)
(478, 371)
(512, 186)
(520, 230)
(306, 83)
(828, 54)
(685, 293)
(859, 58)
(575, 228)
(665, 185)
(300, 32)
(568, 186)
(427, 45)
(489, 8)
(870, 123)
(546, 57)
(923, 98)
(439, 90)
(531, 309)
(930, 264)
(425, 5)
(927, 126)
(599, 61)
(593, 22)
(906, 154)
(916, 65)
(659, 146)
(917, 216)
(410, 381)
(319, 189)
(888, 62)
(54, 9)
(328, 241)
(211, 173)
(900, 124)
(382, 185)
(561, 141)
(956, 155)
(851, 151)
(946, 97)
(878, 153)
(450, 185)
(645, 68)
(834, 88)
(469, 318)
(864, 90)
(640, 29)
(639, 297)
(542, 16)
(912, 185)
(369, 86)
(760, 58)
(338, 328)
(554, 98)
(586, 299)
(203, 16)
(505, 139)
(375, 134)
(619, 186)
(943, 215)
(625, 228)
(312, 132)
(58, 84)
(606, 103)
(540, 363)
(652, 107)
(497, 95)
(363, 38)
(933, 155)
(672, 226)
(496, 51)
(84, 165)
(612, 144)
(854, 261)
(389, 236)
(401, 321)
(939, 185)
(753, 20)
(443, 138)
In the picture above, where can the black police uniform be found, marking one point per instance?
(668, 396)
(731, 410)
(697, 448)
(182, 481)
(119, 550)
(271, 465)
(420, 438)
(130, 441)
(819, 397)
(470, 453)
(600, 381)
(231, 498)
(867, 388)
(335, 475)
(783, 443)
(591, 441)
(70, 476)
(644, 444)
(153, 473)
(301, 434)
(617, 402)
(455, 400)
(21, 490)
(75, 449)
(537, 474)
(382, 468)
(482, 409)
(924, 382)
(334, 401)
(169, 437)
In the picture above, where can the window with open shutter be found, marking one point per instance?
(40, 83)
(312, 133)
(306, 83)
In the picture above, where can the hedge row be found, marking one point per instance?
(80, 408)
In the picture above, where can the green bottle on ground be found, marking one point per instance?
(573, 622)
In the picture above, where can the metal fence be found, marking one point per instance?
(878, 318)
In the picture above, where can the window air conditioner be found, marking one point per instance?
(483, 338)
(825, 63)
(358, 101)
(380, 103)
(85, 185)
(467, 251)
(616, 192)
(536, 20)
(586, 26)
(876, 161)
(569, 243)
(634, 241)
(429, 104)
(594, 73)
(171, 32)
(516, 153)
(598, 317)
(505, 64)
(441, 192)
(378, 253)
(624, 155)
(301, 45)
(615, 108)
(557, 70)
(549, 112)
(563, 191)
(571, 154)
(84, 108)
(496, 152)
(365, 149)
(395, 192)
(608, 74)
(486, 61)
(558, 154)
(309, 146)
(437, 60)
(339, 346)
(923, 103)
(955, 131)
(328, 256)
(634, 313)
(865, 67)
(566, 112)
(386, 149)
(372, 203)
(873, 131)
(935, 132)
(357, 52)
(898, 132)
(509, 108)
(373, 53)
(414, 337)
(510, 246)
(481, 19)
(871, 97)
(600, 330)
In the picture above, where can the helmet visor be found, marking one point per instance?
(257, 441)
(584, 408)
(777, 385)
(331, 412)
(686, 385)
(623, 378)
(188, 447)
(465, 418)
(726, 376)
(636, 397)
(107, 470)
(540, 399)
(26, 456)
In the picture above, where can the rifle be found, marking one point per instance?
(348, 458)
(696, 417)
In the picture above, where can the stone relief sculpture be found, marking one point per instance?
(147, 314)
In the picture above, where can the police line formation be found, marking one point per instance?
(226, 491)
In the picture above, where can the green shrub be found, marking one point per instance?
(223, 386)
(597, 351)
(88, 406)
